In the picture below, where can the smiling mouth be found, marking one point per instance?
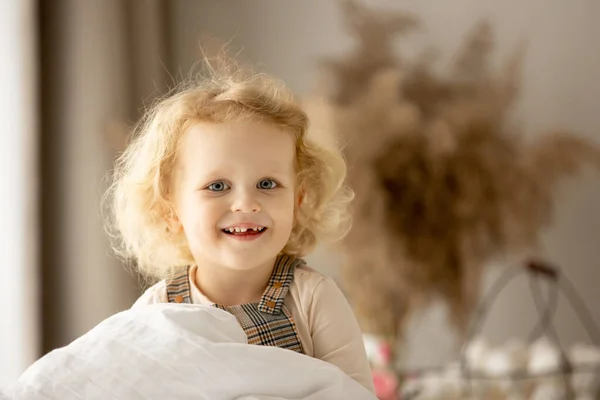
(235, 231)
(245, 233)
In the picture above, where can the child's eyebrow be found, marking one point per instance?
(278, 164)
(275, 171)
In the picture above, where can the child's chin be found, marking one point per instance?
(246, 261)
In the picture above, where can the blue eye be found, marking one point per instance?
(218, 186)
(267, 184)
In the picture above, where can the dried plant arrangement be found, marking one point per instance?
(443, 179)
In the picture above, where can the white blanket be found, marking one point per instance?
(166, 351)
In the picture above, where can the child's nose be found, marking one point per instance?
(246, 203)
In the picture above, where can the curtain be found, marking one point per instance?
(19, 342)
(101, 61)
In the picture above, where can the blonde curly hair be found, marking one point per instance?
(139, 201)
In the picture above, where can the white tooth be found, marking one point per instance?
(255, 229)
(243, 229)
(238, 230)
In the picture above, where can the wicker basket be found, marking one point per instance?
(568, 379)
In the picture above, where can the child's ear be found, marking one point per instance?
(174, 225)
(173, 222)
(299, 200)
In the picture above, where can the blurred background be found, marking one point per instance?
(76, 74)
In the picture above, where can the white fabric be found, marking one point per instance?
(177, 351)
(325, 322)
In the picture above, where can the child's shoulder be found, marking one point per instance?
(308, 282)
(319, 298)
(305, 275)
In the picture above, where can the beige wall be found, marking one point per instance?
(561, 89)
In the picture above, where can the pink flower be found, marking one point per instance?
(385, 352)
(386, 385)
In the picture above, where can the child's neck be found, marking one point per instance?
(229, 287)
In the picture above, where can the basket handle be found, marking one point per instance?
(536, 269)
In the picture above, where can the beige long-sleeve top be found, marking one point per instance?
(324, 320)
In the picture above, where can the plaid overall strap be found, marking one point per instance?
(282, 277)
(269, 322)
(178, 288)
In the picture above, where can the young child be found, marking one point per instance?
(220, 195)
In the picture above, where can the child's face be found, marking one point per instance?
(235, 192)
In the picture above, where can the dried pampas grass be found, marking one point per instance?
(443, 180)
